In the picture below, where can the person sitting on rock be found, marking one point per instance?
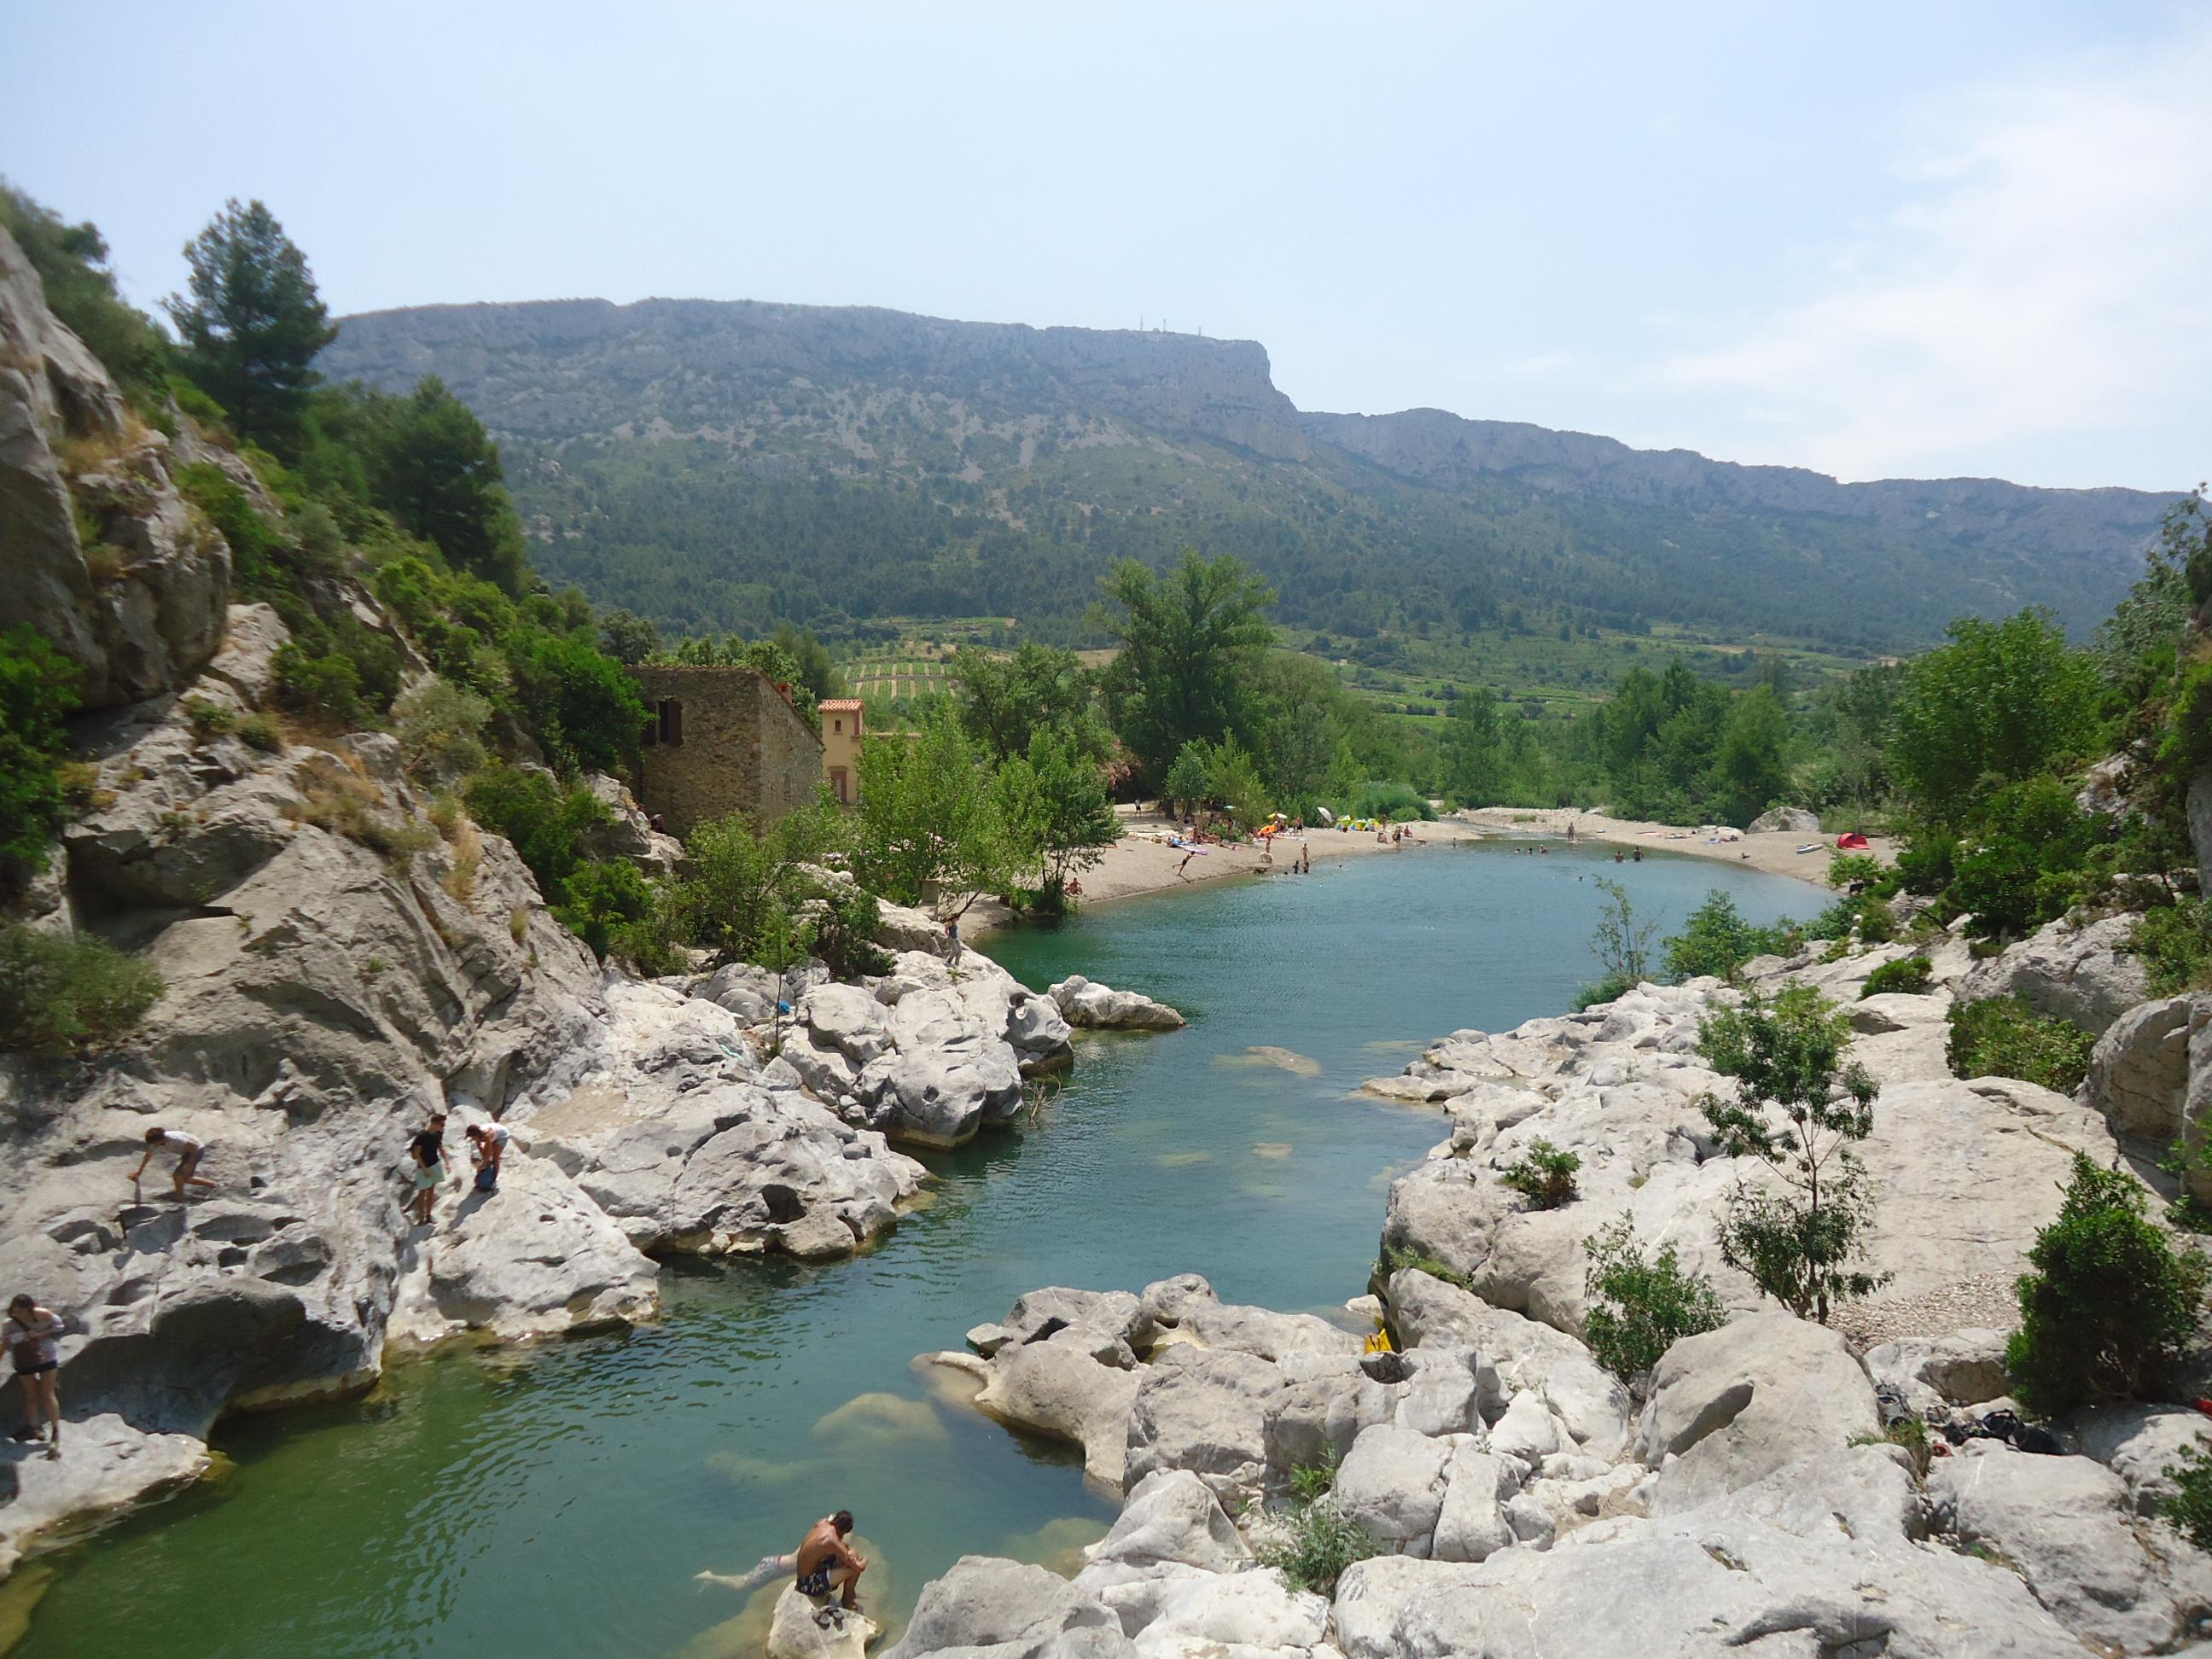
(189, 1148)
(428, 1149)
(486, 1146)
(825, 1561)
(33, 1337)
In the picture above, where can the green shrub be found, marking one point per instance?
(1715, 940)
(1641, 1308)
(36, 683)
(845, 933)
(1317, 1543)
(2189, 1508)
(62, 995)
(441, 729)
(1799, 1107)
(2110, 1302)
(1545, 1176)
(1397, 1258)
(262, 731)
(1612, 987)
(1911, 976)
(1848, 867)
(583, 706)
(2003, 1036)
(546, 822)
(1383, 797)
(613, 909)
(2175, 944)
(1311, 1482)
(210, 720)
(326, 689)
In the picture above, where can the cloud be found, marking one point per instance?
(2044, 287)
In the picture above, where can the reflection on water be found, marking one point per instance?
(484, 1504)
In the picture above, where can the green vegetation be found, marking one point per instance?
(1716, 940)
(64, 994)
(1622, 944)
(251, 323)
(1545, 1175)
(2190, 1508)
(1641, 1306)
(1798, 1108)
(2003, 1036)
(35, 693)
(1315, 1541)
(2110, 1303)
(1910, 975)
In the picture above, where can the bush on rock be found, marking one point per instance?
(1640, 1306)
(62, 995)
(1798, 1108)
(2003, 1036)
(1545, 1178)
(2111, 1302)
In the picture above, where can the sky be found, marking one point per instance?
(1880, 240)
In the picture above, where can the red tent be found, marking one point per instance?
(1852, 842)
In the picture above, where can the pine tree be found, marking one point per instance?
(253, 323)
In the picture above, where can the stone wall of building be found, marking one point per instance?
(721, 740)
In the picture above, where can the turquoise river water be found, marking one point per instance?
(562, 1500)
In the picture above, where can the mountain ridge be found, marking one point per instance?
(992, 467)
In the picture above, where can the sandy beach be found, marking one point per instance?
(1143, 862)
(1775, 852)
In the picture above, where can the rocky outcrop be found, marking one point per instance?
(1101, 1007)
(2088, 975)
(927, 1054)
(98, 551)
(628, 834)
(1794, 819)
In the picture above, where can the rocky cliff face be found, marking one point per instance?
(97, 550)
(1441, 449)
(571, 369)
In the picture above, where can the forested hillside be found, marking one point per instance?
(726, 466)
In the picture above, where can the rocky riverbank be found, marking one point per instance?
(1520, 1499)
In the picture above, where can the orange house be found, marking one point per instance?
(841, 746)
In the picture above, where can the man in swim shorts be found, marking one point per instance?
(826, 1563)
(428, 1149)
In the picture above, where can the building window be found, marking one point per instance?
(840, 783)
(838, 725)
(665, 728)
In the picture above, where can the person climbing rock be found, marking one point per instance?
(190, 1150)
(33, 1334)
(428, 1149)
(825, 1561)
(487, 1147)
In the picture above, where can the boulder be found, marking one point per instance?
(1263, 1332)
(1010, 1609)
(626, 834)
(1734, 1405)
(1710, 1583)
(1392, 1482)
(800, 1631)
(1196, 1617)
(2140, 1443)
(2139, 1076)
(899, 929)
(1058, 1386)
(105, 1467)
(534, 1257)
(1204, 1410)
(1794, 819)
(1471, 1522)
(2088, 975)
(1101, 1007)
(2063, 1523)
(1961, 1367)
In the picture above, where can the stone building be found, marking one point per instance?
(841, 746)
(721, 740)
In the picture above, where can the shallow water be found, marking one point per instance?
(562, 1500)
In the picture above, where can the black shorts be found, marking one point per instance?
(816, 1583)
(40, 1369)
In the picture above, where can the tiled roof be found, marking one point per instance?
(840, 703)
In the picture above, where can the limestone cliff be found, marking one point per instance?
(97, 550)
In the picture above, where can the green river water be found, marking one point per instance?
(561, 1500)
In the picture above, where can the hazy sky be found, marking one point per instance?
(1878, 240)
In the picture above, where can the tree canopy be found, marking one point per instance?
(252, 322)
